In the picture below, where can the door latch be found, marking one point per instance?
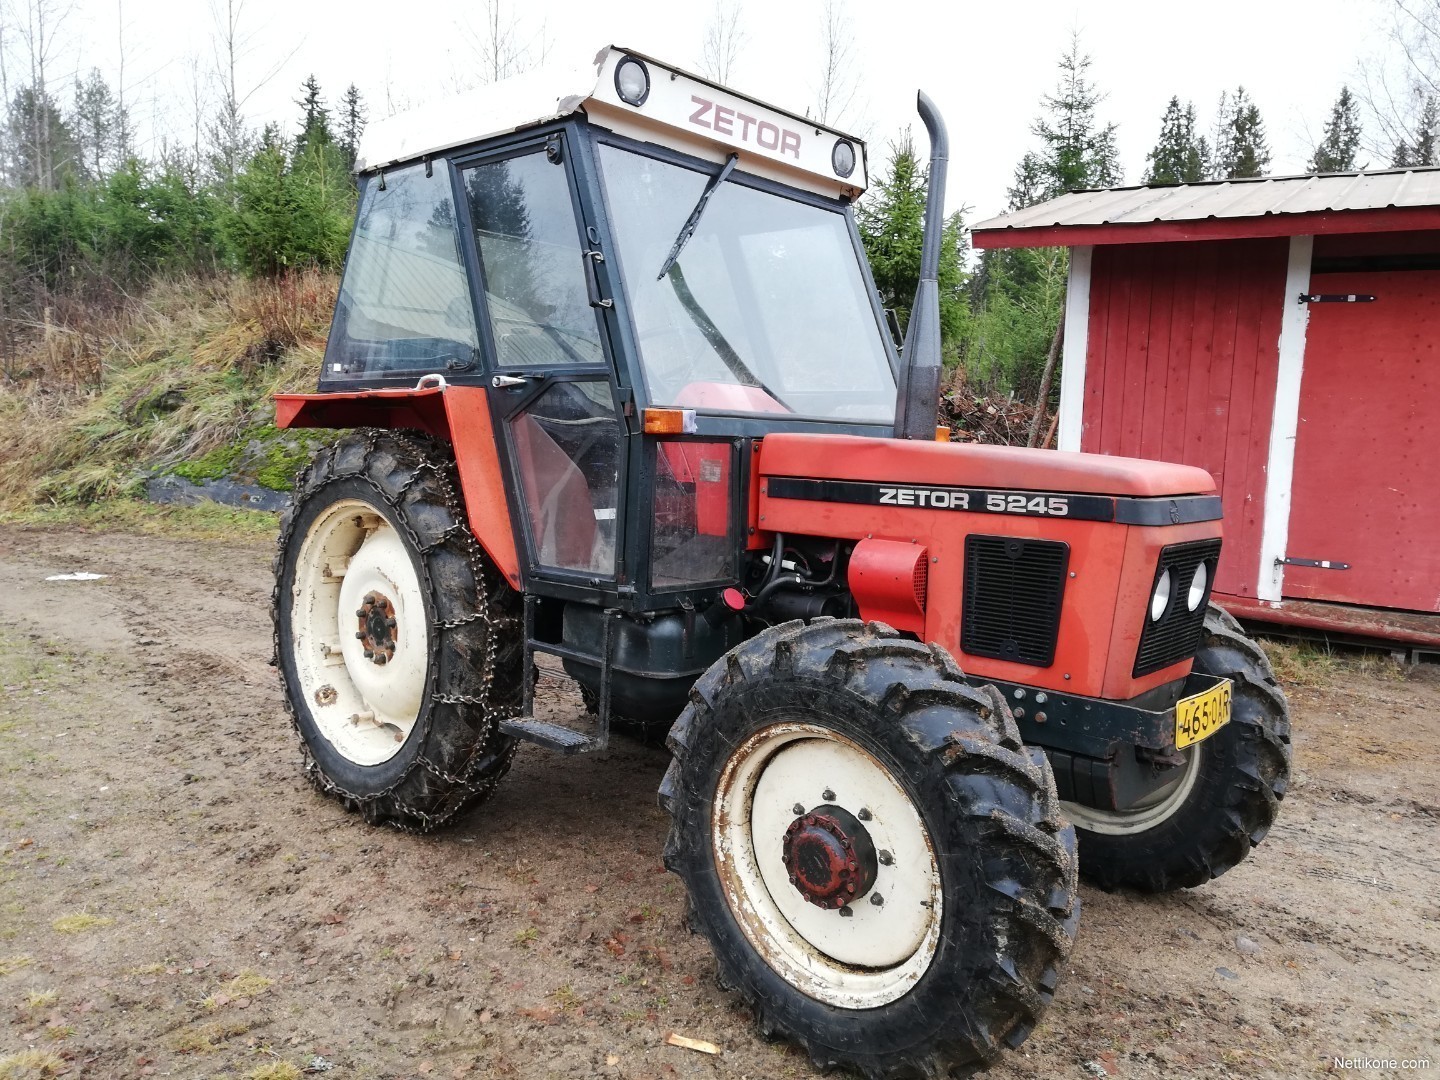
(1315, 564)
(509, 382)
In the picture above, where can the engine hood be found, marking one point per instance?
(858, 458)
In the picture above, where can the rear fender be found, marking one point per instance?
(457, 415)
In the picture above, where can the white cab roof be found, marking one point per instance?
(681, 110)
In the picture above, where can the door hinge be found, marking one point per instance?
(1336, 298)
(1314, 564)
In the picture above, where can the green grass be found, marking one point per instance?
(204, 521)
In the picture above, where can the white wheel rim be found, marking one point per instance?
(878, 952)
(364, 709)
(1154, 809)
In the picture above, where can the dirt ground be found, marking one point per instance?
(175, 901)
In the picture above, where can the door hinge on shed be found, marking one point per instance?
(1336, 298)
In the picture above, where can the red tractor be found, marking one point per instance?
(622, 394)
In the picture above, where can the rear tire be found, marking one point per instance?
(1225, 799)
(395, 636)
(978, 907)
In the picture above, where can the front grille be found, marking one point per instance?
(1177, 635)
(1013, 591)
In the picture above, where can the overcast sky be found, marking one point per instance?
(986, 64)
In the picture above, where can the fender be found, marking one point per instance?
(457, 415)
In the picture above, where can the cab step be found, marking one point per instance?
(558, 737)
(555, 737)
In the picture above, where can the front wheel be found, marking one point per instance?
(879, 865)
(1221, 802)
(394, 634)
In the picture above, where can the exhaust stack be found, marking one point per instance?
(918, 395)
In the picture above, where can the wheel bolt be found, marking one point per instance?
(877, 899)
(360, 613)
(863, 815)
(885, 858)
(798, 809)
(369, 655)
(845, 912)
(828, 795)
(381, 658)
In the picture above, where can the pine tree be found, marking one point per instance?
(352, 124)
(1241, 149)
(891, 219)
(1075, 153)
(97, 125)
(42, 149)
(314, 118)
(1180, 156)
(1337, 150)
(1030, 182)
(1421, 151)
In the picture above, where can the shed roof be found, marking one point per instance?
(1381, 200)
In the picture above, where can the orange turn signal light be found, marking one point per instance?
(942, 434)
(669, 421)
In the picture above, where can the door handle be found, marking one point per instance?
(509, 382)
(592, 280)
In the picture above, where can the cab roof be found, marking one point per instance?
(679, 110)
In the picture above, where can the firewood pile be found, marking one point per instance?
(997, 419)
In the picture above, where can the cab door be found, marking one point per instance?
(550, 373)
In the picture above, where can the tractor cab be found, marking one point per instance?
(618, 259)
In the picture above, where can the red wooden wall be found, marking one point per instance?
(1181, 366)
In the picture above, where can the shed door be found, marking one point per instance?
(1365, 453)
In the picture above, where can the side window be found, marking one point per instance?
(531, 257)
(404, 303)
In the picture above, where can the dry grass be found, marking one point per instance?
(1317, 665)
(30, 1064)
(163, 379)
(80, 923)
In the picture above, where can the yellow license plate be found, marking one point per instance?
(1199, 717)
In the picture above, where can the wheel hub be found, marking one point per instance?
(376, 635)
(830, 857)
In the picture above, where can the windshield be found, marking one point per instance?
(766, 308)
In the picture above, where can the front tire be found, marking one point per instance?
(394, 634)
(879, 865)
(1224, 798)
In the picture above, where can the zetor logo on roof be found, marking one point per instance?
(751, 129)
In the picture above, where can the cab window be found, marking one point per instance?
(404, 305)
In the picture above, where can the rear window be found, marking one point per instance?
(404, 306)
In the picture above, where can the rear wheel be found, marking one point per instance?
(394, 635)
(880, 866)
(1220, 803)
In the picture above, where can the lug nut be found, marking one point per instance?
(877, 899)
(885, 858)
(381, 658)
(863, 815)
(828, 795)
(798, 809)
(845, 912)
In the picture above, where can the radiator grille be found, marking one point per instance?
(1177, 635)
(1013, 592)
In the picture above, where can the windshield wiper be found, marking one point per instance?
(693, 221)
(714, 337)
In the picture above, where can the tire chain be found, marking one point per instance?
(483, 573)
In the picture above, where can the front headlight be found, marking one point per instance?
(1197, 587)
(1160, 599)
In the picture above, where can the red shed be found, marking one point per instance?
(1282, 334)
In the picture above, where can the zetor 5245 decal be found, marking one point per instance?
(617, 390)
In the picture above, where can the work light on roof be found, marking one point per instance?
(632, 81)
(842, 157)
